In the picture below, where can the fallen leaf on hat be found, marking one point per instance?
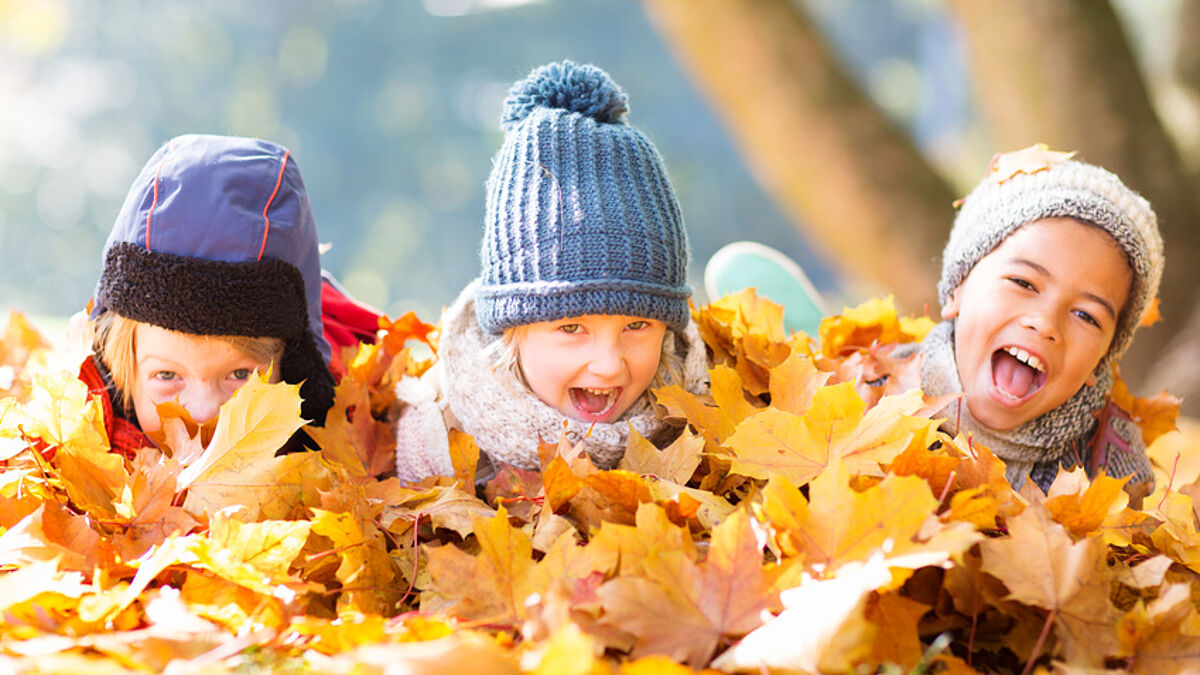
(1035, 158)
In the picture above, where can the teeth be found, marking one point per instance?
(1026, 358)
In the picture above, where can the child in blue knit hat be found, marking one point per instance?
(210, 273)
(581, 306)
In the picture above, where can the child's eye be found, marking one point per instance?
(1087, 317)
(570, 328)
(241, 374)
(165, 375)
(1023, 283)
(638, 325)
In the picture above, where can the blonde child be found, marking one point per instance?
(211, 272)
(582, 302)
(1048, 270)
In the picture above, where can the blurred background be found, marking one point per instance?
(838, 131)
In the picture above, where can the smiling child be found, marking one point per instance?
(582, 301)
(1047, 272)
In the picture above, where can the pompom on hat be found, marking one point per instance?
(217, 237)
(1034, 183)
(581, 217)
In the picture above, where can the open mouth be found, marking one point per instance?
(594, 404)
(1017, 374)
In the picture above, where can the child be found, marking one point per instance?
(1049, 267)
(210, 273)
(582, 301)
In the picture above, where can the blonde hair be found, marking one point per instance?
(114, 341)
(504, 354)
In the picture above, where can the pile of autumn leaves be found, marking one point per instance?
(801, 523)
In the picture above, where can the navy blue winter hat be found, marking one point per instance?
(581, 218)
(217, 237)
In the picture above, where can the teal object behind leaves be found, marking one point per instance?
(748, 264)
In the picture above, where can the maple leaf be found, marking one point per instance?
(897, 640)
(624, 548)
(490, 586)
(1155, 415)
(713, 422)
(683, 609)
(1042, 567)
(51, 534)
(149, 502)
(408, 327)
(873, 322)
(1161, 637)
(1081, 507)
(823, 627)
(367, 573)
(1152, 315)
(836, 425)
(795, 382)
(676, 462)
(445, 507)
(239, 466)
(1035, 158)
(351, 436)
(837, 525)
(60, 413)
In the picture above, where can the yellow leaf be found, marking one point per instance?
(795, 382)
(676, 462)
(625, 548)
(367, 573)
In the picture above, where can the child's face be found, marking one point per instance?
(591, 368)
(1035, 316)
(201, 372)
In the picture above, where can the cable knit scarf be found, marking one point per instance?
(1044, 439)
(506, 420)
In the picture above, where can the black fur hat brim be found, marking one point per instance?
(262, 298)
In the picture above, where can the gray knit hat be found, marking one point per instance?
(581, 218)
(1027, 185)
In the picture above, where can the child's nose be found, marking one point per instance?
(607, 361)
(203, 402)
(1044, 323)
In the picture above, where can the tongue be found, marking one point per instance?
(1012, 376)
(589, 402)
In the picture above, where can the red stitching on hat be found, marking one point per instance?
(266, 220)
(154, 203)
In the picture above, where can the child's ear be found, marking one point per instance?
(950, 309)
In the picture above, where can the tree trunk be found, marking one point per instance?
(826, 152)
(1062, 72)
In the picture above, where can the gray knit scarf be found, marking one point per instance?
(1044, 439)
(506, 420)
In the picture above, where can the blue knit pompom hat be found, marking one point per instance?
(581, 218)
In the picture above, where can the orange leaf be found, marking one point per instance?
(1155, 415)
(897, 640)
(1035, 158)
(1083, 514)
(682, 609)
(408, 327)
(1151, 316)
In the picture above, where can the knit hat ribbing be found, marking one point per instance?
(217, 237)
(581, 218)
(1057, 187)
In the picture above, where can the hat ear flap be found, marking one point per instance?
(303, 364)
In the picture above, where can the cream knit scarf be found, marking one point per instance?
(1044, 439)
(506, 419)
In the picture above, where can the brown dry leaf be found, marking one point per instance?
(1162, 638)
(823, 627)
(684, 610)
(351, 436)
(1041, 566)
(897, 641)
(490, 586)
(676, 462)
